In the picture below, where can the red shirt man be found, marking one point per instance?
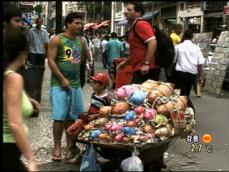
(137, 48)
(141, 57)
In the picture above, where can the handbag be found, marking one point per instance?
(89, 160)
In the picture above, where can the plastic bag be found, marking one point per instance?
(132, 163)
(89, 160)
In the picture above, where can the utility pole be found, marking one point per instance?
(59, 17)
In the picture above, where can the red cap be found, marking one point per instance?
(101, 77)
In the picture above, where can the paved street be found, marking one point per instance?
(212, 118)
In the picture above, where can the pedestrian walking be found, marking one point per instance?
(16, 105)
(90, 64)
(114, 49)
(104, 42)
(189, 61)
(175, 35)
(88, 57)
(12, 18)
(96, 41)
(65, 54)
(141, 57)
(176, 38)
(38, 41)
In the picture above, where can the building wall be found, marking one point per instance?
(117, 15)
(75, 7)
(167, 15)
(187, 15)
(182, 12)
(52, 14)
(65, 8)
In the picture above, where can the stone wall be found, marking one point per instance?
(216, 71)
(203, 40)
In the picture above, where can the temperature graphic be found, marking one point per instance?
(195, 144)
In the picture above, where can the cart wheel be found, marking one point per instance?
(151, 167)
(111, 166)
(155, 165)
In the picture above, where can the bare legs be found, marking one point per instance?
(69, 140)
(58, 128)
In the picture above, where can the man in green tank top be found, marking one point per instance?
(65, 54)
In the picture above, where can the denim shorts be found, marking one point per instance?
(66, 105)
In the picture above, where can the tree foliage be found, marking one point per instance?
(38, 9)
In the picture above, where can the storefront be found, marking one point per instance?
(194, 23)
(214, 23)
(168, 18)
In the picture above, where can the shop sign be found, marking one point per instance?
(226, 10)
(118, 16)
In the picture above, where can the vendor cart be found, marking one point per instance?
(151, 154)
(140, 123)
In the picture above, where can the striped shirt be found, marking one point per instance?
(98, 101)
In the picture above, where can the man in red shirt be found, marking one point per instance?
(142, 55)
(142, 58)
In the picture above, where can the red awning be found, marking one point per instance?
(102, 24)
(89, 25)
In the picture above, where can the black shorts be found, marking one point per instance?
(11, 158)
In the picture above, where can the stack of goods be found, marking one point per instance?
(139, 114)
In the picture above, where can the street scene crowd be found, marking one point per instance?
(77, 90)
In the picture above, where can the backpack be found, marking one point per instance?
(165, 51)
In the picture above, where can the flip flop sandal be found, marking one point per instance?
(56, 158)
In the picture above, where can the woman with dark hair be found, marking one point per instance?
(12, 16)
(16, 105)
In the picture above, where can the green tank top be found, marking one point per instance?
(26, 108)
(68, 61)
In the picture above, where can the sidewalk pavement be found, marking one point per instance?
(58, 166)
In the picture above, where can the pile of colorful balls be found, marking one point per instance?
(139, 114)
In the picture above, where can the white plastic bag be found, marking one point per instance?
(132, 163)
